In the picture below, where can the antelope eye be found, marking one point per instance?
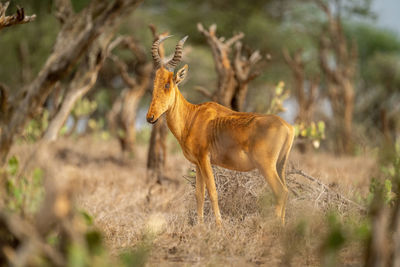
(167, 86)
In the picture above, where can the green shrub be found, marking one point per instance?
(24, 193)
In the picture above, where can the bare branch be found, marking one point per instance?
(4, 93)
(123, 69)
(313, 90)
(234, 39)
(117, 41)
(63, 10)
(204, 91)
(18, 18)
(323, 58)
(324, 7)
(32, 243)
(255, 57)
(327, 188)
(286, 56)
(252, 76)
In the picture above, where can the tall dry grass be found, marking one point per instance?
(131, 211)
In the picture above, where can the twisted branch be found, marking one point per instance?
(18, 18)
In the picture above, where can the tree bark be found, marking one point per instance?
(18, 18)
(157, 154)
(84, 79)
(305, 98)
(23, 56)
(340, 78)
(233, 75)
(75, 37)
(384, 245)
(122, 116)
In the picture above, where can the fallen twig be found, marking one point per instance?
(326, 188)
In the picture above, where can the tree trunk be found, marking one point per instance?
(122, 116)
(339, 78)
(384, 245)
(305, 100)
(156, 157)
(348, 142)
(239, 97)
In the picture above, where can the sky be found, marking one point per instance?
(388, 12)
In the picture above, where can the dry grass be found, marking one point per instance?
(116, 193)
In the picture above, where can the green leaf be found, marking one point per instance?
(63, 130)
(37, 176)
(87, 217)
(13, 165)
(77, 256)
(94, 241)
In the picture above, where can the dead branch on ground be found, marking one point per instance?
(238, 191)
(325, 193)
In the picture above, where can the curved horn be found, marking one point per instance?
(154, 51)
(171, 65)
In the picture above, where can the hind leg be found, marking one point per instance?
(268, 170)
(282, 162)
(281, 170)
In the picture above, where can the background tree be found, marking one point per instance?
(234, 71)
(78, 32)
(122, 117)
(305, 98)
(339, 75)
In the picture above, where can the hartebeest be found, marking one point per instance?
(210, 133)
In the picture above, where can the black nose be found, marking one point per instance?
(150, 119)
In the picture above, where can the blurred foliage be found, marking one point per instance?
(35, 128)
(24, 193)
(315, 132)
(385, 187)
(84, 107)
(279, 95)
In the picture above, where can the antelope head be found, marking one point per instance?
(165, 83)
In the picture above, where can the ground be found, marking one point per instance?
(132, 211)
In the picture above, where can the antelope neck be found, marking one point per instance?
(179, 115)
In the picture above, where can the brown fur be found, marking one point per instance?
(210, 133)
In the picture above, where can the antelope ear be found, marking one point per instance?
(181, 74)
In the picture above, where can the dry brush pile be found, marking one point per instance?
(239, 191)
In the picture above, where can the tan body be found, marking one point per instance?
(210, 133)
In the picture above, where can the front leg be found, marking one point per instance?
(208, 177)
(200, 191)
